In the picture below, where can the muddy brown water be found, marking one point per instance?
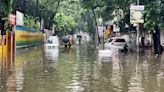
(80, 69)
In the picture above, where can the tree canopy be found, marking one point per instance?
(73, 15)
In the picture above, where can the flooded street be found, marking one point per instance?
(79, 69)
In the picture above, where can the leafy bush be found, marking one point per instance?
(30, 22)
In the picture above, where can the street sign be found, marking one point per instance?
(136, 14)
(12, 19)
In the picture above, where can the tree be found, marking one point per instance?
(68, 17)
(64, 23)
(6, 8)
(37, 10)
(92, 5)
(154, 13)
(153, 17)
(48, 10)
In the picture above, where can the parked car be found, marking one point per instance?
(116, 43)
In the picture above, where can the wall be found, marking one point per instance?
(25, 37)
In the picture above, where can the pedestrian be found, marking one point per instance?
(79, 37)
(70, 41)
(108, 31)
(143, 41)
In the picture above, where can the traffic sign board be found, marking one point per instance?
(136, 14)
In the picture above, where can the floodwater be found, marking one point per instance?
(80, 69)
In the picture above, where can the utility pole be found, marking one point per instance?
(138, 32)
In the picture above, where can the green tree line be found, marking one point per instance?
(68, 15)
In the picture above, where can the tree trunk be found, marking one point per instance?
(23, 6)
(156, 39)
(37, 9)
(96, 26)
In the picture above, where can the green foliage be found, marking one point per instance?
(5, 8)
(28, 7)
(153, 14)
(30, 22)
(69, 16)
(64, 21)
(48, 10)
(64, 14)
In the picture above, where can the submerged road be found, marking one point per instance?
(80, 69)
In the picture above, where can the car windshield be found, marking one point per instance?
(120, 40)
(49, 41)
(110, 40)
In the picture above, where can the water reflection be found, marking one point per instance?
(12, 71)
(132, 73)
(116, 73)
(81, 70)
(11, 78)
(135, 81)
(52, 54)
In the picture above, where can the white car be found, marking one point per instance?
(116, 43)
(52, 42)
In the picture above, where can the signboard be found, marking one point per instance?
(12, 19)
(19, 18)
(136, 14)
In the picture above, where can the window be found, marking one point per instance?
(120, 40)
